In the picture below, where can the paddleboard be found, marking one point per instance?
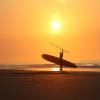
(57, 60)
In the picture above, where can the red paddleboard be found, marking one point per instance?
(57, 61)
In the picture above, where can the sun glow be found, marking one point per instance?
(56, 25)
(55, 69)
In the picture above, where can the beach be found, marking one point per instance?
(49, 49)
(49, 86)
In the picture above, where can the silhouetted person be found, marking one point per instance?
(61, 60)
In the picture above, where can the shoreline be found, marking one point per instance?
(21, 71)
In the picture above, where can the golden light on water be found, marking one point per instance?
(55, 69)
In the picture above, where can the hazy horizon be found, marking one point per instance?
(50, 63)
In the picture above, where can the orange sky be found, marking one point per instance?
(25, 29)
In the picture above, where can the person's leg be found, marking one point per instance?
(61, 67)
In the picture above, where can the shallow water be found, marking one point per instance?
(48, 68)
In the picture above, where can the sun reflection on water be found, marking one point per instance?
(55, 69)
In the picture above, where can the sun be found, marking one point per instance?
(56, 25)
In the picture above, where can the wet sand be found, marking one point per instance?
(49, 86)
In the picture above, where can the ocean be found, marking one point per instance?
(51, 67)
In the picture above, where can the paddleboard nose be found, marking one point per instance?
(43, 55)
